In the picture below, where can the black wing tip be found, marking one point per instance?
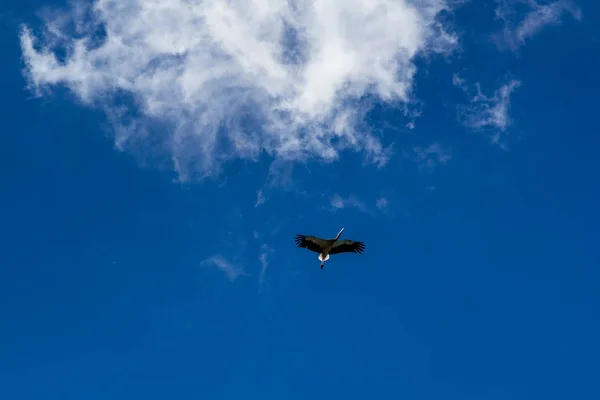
(360, 247)
(299, 240)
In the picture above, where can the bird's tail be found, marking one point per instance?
(323, 259)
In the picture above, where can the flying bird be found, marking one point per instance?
(325, 247)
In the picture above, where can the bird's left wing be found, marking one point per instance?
(312, 243)
(347, 246)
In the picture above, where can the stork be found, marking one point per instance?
(325, 247)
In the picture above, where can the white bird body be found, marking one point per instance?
(325, 247)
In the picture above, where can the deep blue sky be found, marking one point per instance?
(479, 280)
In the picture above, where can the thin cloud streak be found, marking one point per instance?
(260, 198)
(514, 35)
(265, 254)
(227, 80)
(231, 271)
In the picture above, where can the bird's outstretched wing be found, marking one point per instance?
(347, 246)
(311, 243)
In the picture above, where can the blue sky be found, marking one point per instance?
(154, 179)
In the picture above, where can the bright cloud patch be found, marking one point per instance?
(210, 81)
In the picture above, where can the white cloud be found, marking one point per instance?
(231, 271)
(260, 198)
(485, 111)
(338, 202)
(538, 16)
(433, 155)
(382, 203)
(265, 253)
(210, 81)
(459, 82)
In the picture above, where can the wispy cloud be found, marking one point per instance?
(265, 254)
(377, 206)
(338, 202)
(382, 203)
(431, 156)
(487, 111)
(260, 198)
(231, 271)
(517, 31)
(459, 82)
(210, 81)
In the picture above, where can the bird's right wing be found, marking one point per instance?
(311, 243)
(347, 246)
